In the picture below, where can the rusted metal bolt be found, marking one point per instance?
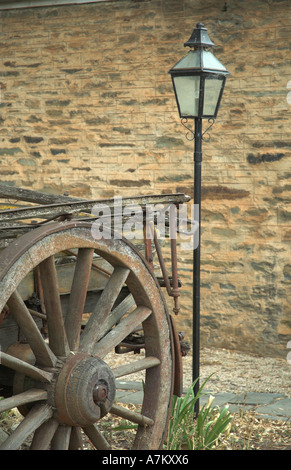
(99, 393)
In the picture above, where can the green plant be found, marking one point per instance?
(212, 425)
(204, 432)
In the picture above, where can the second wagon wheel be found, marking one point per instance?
(68, 394)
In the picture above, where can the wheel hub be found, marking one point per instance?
(84, 390)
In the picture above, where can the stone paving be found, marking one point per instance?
(273, 406)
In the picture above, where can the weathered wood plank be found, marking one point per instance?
(37, 197)
(57, 210)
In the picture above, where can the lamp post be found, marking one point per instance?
(198, 81)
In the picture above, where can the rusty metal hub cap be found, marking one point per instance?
(84, 390)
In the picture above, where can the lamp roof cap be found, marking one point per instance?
(199, 37)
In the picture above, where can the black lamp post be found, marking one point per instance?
(198, 81)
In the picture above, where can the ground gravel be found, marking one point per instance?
(228, 371)
(238, 372)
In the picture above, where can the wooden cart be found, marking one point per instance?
(70, 305)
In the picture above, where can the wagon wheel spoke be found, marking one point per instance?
(137, 366)
(61, 439)
(44, 434)
(96, 437)
(115, 316)
(35, 418)
(23, 398)
(132, 416)
(25, 368)
(56, 329)
(103, 308)
(20, 312)
(126, 326)
(78, 296)
(76, 440)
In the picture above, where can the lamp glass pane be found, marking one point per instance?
(187, 91)
(210, 62)
(192, 60)
(211, 95)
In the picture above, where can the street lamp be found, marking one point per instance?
(198, 81)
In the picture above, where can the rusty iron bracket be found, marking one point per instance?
(39, 292)
(172, 287)
(148, 245)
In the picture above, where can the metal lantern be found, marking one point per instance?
(198, 78)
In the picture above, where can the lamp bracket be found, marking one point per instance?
(211, 122)
(191, 135)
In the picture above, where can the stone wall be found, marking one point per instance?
(87, 107)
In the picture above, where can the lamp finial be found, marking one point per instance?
(199, 37)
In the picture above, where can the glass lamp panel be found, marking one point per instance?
(192, 60)
(187, 92)
(211, 95)
(210, 62)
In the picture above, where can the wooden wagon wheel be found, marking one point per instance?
(70, 389)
